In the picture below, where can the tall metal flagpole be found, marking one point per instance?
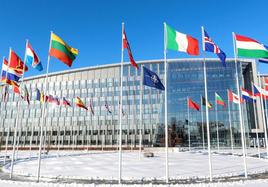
(43, 114)
(9, 129)
(166, 122)
(217, 124)
(188, 124)
(202, 121)
(256, 124)
(120, 110)
(141, 118)
(17, 116)
(264, 108)
(263, 118)
(230, 124)
(239, 105)
(206, 97)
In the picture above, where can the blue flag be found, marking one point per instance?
(151, 79)
(210, 46)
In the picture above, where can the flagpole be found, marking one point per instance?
(120, 109)
(6, 105)
(31, 141)
(166, 121)
(265, 110)
(217, 124)
(202, 121)
(17, 116)
(206, 97)
(141, 118)
(239, 105)
(263, 117)
(230, 124)
(256, 124)
(43, 114)
(188, 124)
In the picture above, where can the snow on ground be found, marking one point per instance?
(104, 165)
(252, 183)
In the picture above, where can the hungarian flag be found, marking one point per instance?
(193, 105)
(79, 103)
(234, 97)
(248, 47)
(204, 103)
(219, 100)
(181, 42)
(62, 51)
(65, 102)
(127, 46)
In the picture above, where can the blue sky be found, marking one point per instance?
(94, 26)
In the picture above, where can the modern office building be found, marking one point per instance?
(76, 127)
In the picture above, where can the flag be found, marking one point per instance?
(32, 59)
(65, 102)
(258, 90)
(233, 97)
(25, 95)
(127, 46)
(192, 104)
(247, 95)
(210, 46)
(80, 103)
(16, 89)
(123, 112)
(53, 100)
(91, 107)
(5, 94)
(107, 107)
(219, 100)
(62, 51)
(15, 63)
(9, 73)
(247, 47)
(40, 96)
(204, 103)
(266, 86)
(263, 60)
(181, 42)
(151, 79)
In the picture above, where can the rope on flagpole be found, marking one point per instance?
(43, 114)
(207, 117)
(239, 105)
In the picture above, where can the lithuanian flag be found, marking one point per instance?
(79, 103)
(62, 51)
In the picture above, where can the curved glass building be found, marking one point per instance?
(75, 127)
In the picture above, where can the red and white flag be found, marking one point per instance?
(234, 97)
(127, 46)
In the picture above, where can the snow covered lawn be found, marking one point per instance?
(104, 165)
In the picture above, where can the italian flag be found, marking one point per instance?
(219, 100)
(247, 47)
(181, 42)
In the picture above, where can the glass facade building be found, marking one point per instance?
(73, 126)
